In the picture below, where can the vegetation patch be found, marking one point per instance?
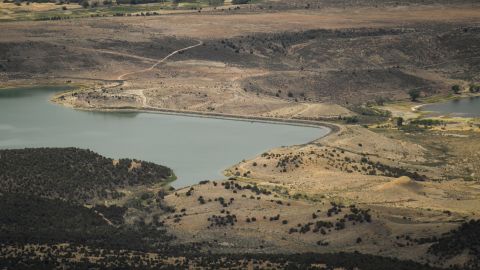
(74, 174)
(465, 239)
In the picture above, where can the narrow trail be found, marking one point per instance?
(141, 94)
(449, 61)
(120, 79)
(104, 51)
(122, 76)
(305, 109)
(104, 218)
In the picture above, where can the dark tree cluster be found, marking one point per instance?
(235, 187)
(222, 220)
(465, 238)
(356, 215)
(279, 43)
(42, 202)
(240, 2)
(391, 171)
(318, 226)
(201, 200)
(223, 202)
(275, 218)
(73, 174)
(335, 209)
(322, 243)
(336, 159)
(427, 122)
(113, 213)
(61, 257)
(474, 88)
(31, 219)
(20, 256)
(189, 192)
(286, 161)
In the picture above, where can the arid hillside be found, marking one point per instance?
(388, 188)
(292, 63)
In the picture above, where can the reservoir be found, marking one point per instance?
(195, 148)
(464, 107)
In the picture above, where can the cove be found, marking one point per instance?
(195, 148)
(466, 107)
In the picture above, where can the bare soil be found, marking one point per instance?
(296, 63)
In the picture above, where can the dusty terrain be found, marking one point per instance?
(379, 190)
(292, 63)
(311, 179)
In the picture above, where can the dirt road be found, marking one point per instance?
(121, 77)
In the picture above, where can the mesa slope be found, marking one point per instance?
(377, 192)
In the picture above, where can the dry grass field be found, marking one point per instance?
(377, 51)
(367, 187)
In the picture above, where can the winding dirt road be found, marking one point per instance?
(121, 77)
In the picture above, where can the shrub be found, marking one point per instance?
(240, 2)
(351, 119)
(414, 94)
(473, 88)
(399, 121)
(456, 88)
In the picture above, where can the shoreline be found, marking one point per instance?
(413, 110)
(323, 128)
(429, 101)
(332, 127)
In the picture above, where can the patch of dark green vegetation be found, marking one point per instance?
(73, 174)
(113, 213)
(427, 122)
(366, 115)
(390, 171)
(39, 230)
(33, 220)
(235, 187)
(43, 194)
(418, 125)
(474, 88)
(463, 240)
(323, 227)
(28, 259)
(222, 220)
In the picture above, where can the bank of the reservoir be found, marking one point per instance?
(463, 107)
(196, 148)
